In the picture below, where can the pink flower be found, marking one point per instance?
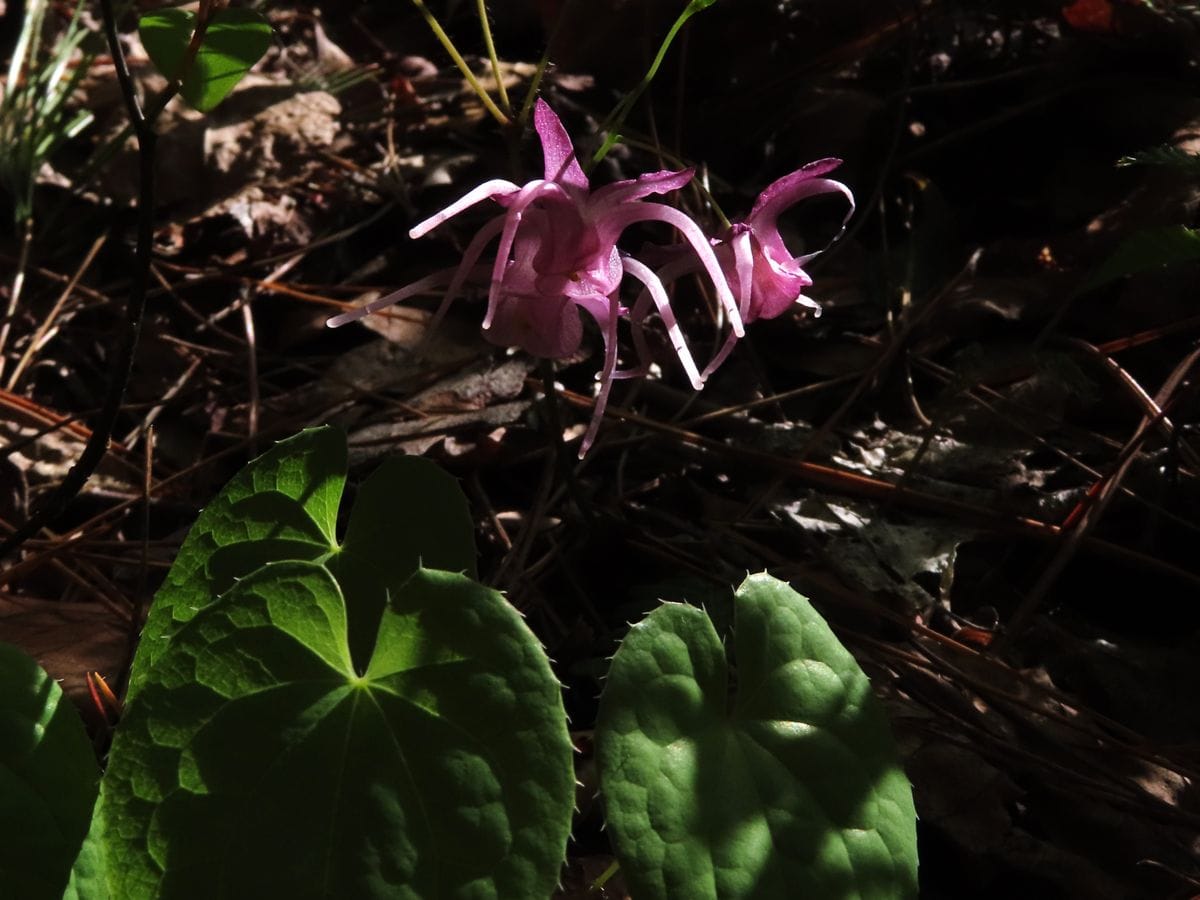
(557, 257)
(766, 278)
(557, 254)
(755, 251)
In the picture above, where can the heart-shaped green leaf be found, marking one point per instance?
(48, 778)
(255, 762)
(233, 42)
(315, 719)
(789, 786)
(284, 505)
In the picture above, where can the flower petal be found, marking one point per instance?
(569, 251)
(562, 166)
(722, 355)
(659, 295)
(512, 221)
(466, 267)
(606, 312)
(779, 196)
(741, 247)
(598, 274)
(765, 217)
(424, 285)
(543, 326)
(636, 188)
(779, 276)
(785, 191)
(681, 264)
(620, 217)
(777, 284)
(493, 188)
(743, 265)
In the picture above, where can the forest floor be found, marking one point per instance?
(981, 462)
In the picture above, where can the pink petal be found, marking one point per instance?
(566, 244)
(605, 310)
(607, 319)
(779, 275)
(562, 166)
(512, 220)
(659, 295)
(622, 216)
(781, 195)
(637, 188)
(466, 267)
(599, 274)
(428, 283)
(548, 327)
(776, 286)
(677, 267)
(743, 265)
(488, 189)
(785, 191)
(722, 355)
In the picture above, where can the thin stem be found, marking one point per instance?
(536, 82)
(616, 118)
(18, 285)
(446, 43)
(605, 876)
(128, 91)
(495, 60)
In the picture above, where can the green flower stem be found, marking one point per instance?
(616, 118)
(605, 876)
(495, 60)
(444, 38)
(531, 94)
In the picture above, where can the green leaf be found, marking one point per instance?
(89, 875)
(48, 777)
(284, 506)
(234, 41)
(408, 514)
(255, 762)
(788, 786)
(1144, 250)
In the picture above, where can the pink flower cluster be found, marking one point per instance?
(558, 254)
